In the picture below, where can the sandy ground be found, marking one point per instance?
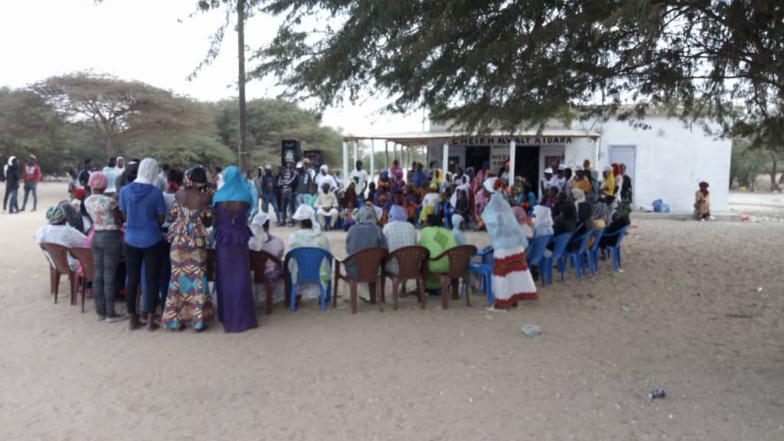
(685, 315)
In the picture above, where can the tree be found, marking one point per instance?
(271, 121)
(28, 125)
(115, 107)
(501, 64)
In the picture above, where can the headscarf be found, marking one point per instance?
(259, 235)
(505, 232)
(366, 215)
(520, 215)
(704, 188)
(324, 168)
(578, 195)
(398, 214)
(11, 160)
(542, 217)
(258, 222)
(80, 194)
(117, 167)
(148, 172)
(205, 187)
(55, 215)
(234, 189)
(489, 184)
(457, 233)
(616, 169)
(601, 212)
(464, 185)
(98, 180)
(73, 217)
(595, 175)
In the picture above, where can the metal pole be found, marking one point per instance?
(345, 160)
(356, 153)
(445, 160)
(372, 159)
(512, 156)
(386, 154)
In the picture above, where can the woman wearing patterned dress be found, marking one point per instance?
(188, 299)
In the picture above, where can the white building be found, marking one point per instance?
(666, 161)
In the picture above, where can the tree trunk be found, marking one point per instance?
(108, 137)
(244, 154)
(774, 185)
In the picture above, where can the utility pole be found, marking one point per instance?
(244, 154)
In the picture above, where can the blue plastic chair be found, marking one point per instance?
(485, 271)
(560, 241)
(593, 251)
(309, 261)
(575, 257)
(535, 253)
(615, 248)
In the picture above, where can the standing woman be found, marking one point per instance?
(188, 299)
(106, 245)
(232, 203)
(143, 208)
(512, 280)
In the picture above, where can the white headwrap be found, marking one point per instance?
(489, 184)
(306, 212)
(11, 160)
(543, 218)
(117, 161)
(324, 168)
(148, 172)
(257, 227)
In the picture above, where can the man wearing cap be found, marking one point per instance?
(308, 168)
(303, 184)
(32, 176)
(558, 180)
(581, 180)
(288, 187)
(269, 192)
(547, 182)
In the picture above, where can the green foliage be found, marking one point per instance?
(495, 63)
(271, 121)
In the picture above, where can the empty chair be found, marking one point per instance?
(369, 270)
(559, 245)
(411, 263)
(534, 256)
(615, 247)
(258, 265)
(59, 257)
(459, 257)
(484, 271)
(309, 261)
(575, 256)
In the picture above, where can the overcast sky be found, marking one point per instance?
(143, 40)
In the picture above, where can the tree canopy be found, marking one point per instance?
(63, 120)
(500, 64)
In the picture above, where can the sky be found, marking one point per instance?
(154, 41)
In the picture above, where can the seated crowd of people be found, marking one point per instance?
(150, 230)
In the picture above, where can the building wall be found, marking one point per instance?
(671, 159)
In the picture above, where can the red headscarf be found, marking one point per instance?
(80, 194)
(704, 187)
(616, 169)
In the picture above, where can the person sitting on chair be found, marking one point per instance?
(327, 204)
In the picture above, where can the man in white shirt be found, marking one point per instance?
(360, 178)
(326, 204)
(547, 182)
(325, 178)
(559, 180)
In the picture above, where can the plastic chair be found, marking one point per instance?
(575, 257)
(309, 260)
(54, 279)
(484, 271)
(258, 264)
(59, 256)
(535, 253)
(85, 258)
(546, 265)
(411, 264)
(370, 270)
(459, 257)
(593, 251)
(615, 248)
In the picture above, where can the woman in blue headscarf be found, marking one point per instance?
(512, 280)
(232, 203)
